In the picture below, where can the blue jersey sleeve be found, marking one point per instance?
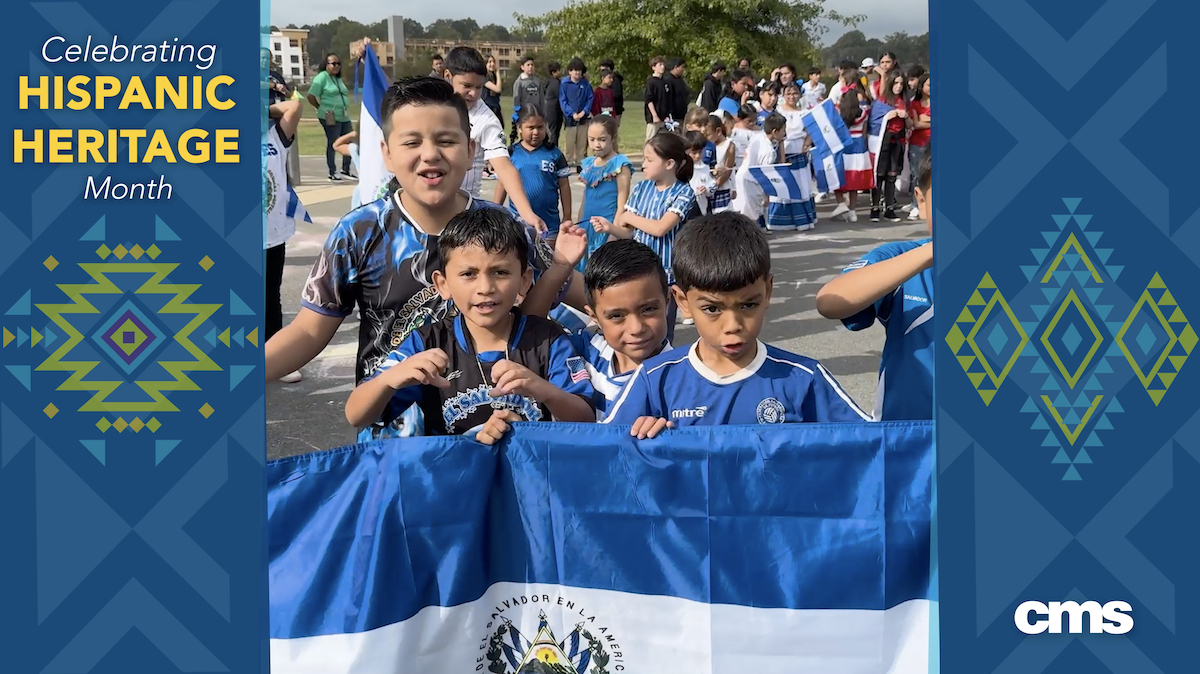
(567, 370)
(406, 397)
(826, 401)
(633, 402)
(561, 168)
(882, 308)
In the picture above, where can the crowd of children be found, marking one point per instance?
(455, 294)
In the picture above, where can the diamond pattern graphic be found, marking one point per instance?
(1156, 308)
(1072, 339)
(129, 337)
(985, 373)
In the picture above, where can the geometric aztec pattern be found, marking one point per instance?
(1069, 336)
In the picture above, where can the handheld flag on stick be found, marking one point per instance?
(827, 130)
(373, 176)
(575, 549)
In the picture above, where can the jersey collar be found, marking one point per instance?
(464, 343)
(609, 355)
(750, 370)
(411, 221)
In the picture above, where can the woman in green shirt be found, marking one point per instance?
(328, 95)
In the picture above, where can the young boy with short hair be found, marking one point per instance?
(379, 258)
(722, 266)
(894, 285)
(697, 120)
(490, 365)
(627, 297)
(466, 70)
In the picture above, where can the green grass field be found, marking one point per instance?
(633, 129)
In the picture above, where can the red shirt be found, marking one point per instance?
(919, 137)
(895, 124)
(602, 101)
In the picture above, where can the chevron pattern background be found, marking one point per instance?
(1067, 247)
(131, 421)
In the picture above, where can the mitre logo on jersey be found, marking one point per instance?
(1034, 617)
(693, 413)
(585, 648)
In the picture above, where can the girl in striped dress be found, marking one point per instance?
(658, 205)
(859, 175)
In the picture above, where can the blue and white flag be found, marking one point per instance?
(782, 181)
(827, 130)
(876, 126)
(575, 549)
(373, 176)
(829, 171)
(295, 207)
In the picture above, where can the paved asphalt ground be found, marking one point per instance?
(309, 416)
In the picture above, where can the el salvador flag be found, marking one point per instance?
(827, 129)
(373, 176)
(575, 549)
(782, 181)
(876, 126)
(295, 207)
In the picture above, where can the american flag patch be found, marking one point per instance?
(577, 369)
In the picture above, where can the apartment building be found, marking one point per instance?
(508, 54)
(289, 47)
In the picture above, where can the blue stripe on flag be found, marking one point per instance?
(779, 180)
(878, 112)
(295, 207)
(827, 129)
(368, 536)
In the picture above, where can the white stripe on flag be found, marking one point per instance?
(643, 633)
(782, 181)
(827, 129)
(373, 176)
(295, 207)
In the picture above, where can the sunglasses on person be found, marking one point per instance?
(337, 64)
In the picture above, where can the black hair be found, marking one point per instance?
(675, 63)
(915, 71)
(695, 141)
(339, 58)
(892, 55)
(436, 57)
(528, 59)
(669, 146)
(607, 63)
(919, 94)
(814, 71)
(850, 107)
(717, 67)
(621, 261)
(847, 64)
(738, 75)
(773, 87)
(789, 66)
(720, 253)
(577, 64)
(466, 61)
(747, 111)
(554, 67)
(533, 110)
(420, 91)
(609, 124)
(492, 229)
(774, 122)
(925, 172)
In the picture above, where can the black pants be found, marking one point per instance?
(553, 129)
(274, 280)
(332, 133)
(887, 169)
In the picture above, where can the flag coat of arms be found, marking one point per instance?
(575, 549)
(830, 138)
(373, 176)
(783, 181)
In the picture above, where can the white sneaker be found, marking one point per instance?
(820, 197)
(914, 213)
(851, 216)
(842, 209)
(292, 378)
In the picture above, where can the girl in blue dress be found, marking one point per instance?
(606, 178)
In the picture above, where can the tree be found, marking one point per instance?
(413, 29)
(855, 46)
(494, 32)
(444, 29)
(768, 32)
(467, 28)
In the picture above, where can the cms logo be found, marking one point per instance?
(1034, 617)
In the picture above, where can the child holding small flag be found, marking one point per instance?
(490, 365)
(765, 150)
(893, 284)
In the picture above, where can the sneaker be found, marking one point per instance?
(851, 216)
(875, 214)
(689, 321)
(335, 178)
(914, 214)
(349, 175)
(819, 198)
(890, 215)
(292, 378)
(841, 210)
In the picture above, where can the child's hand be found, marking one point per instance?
(901, 113)
(570, 245)
(497, 425)
(602, 225)
(701, 190)
(649, 427)
(423, 368)
(512, 377)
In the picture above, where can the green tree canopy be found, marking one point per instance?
(909, 49)
(768, 32)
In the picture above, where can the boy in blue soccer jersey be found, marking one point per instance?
(723, 281)
(380, 258)
(490, 365)
(894, 285)
(627, 297)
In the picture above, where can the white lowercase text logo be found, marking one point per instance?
(1034, 617)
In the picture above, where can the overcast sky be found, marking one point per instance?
(883, 16)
